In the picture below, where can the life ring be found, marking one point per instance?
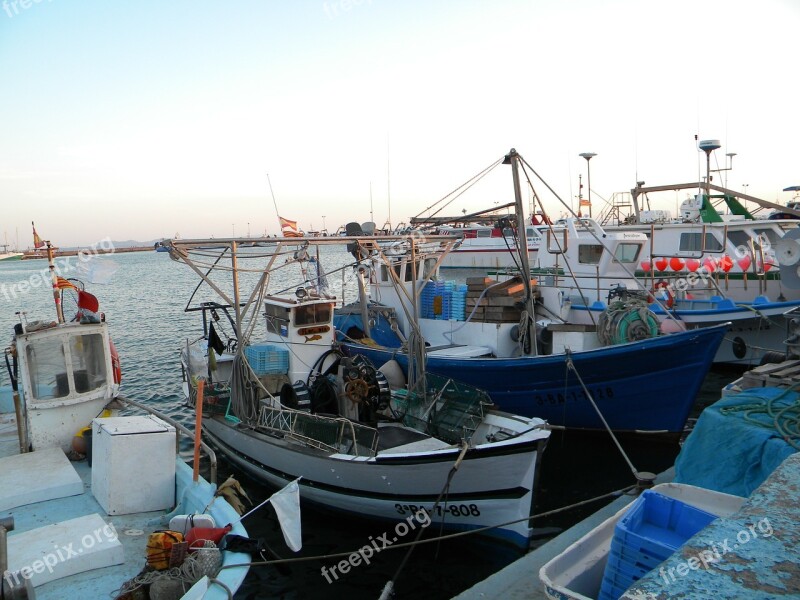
(662, 285)
(116, 367)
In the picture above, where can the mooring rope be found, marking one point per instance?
(440, 538)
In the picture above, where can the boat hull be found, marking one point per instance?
(494, 484)
(645, 386)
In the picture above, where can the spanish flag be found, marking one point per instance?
(37, 241)
(289, 228)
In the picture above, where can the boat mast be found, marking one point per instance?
(237, 309)
(522, 240)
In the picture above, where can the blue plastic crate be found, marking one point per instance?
(647, 534)
(267, 359)
(660, 524)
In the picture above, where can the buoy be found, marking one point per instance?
(661, 264)
(675, 263)
(692, 264)
(726, 263)
(672, 326)
(646, 266)
(710, 264)
(744, 262)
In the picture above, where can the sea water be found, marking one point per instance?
(143, 296)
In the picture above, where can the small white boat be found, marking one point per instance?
(577, 573)
(7, 254)
(79, 529)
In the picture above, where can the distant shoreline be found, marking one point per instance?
(38, 254)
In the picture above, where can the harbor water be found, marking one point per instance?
(143, 295)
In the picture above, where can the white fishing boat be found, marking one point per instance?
(78, 529)
(713, 233)
(366, 443)
(600, 278)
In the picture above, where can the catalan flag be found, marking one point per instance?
(37, 241)
(65, 284)
(289, 228)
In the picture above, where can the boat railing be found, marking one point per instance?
(328, 433)
(179, 429)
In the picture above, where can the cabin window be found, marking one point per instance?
(766, 238)
(277, 319)
(47, 366)
(590, 253)
(627, 253)
(484, 233)
(692, 242)
(312, 314)
(508, 232)
(87, 353)
(531, 233)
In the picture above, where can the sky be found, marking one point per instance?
(142, 119)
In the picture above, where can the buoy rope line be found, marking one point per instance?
(439, 538)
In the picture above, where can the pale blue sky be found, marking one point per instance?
(140, 119)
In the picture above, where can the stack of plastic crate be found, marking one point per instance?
(267, 359)
(652, 529)
(438, 299)
(426, 300)
(458, 304)
(447, 299)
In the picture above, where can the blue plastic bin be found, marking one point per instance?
(647, 534)
(267, 359)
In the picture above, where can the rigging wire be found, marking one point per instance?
(466, 185)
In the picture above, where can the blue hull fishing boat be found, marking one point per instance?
(518, 339)
(644, 386)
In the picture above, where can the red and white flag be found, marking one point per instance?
(289, 228)
(37, 241)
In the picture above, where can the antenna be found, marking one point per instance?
(371, 216)
(388, 183)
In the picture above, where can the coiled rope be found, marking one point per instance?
(765, 412)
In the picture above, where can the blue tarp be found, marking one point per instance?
(727, 452)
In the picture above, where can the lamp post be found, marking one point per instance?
(323, 224)
(588, 156)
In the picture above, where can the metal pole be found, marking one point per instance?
(523, 247)
(54, 279)
(236, 307)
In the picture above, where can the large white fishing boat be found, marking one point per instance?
(714, 233)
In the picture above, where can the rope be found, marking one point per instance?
(784, 420)
(189, 572)
(390, 584)
(440, 538)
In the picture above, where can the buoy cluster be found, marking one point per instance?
(710, 264)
